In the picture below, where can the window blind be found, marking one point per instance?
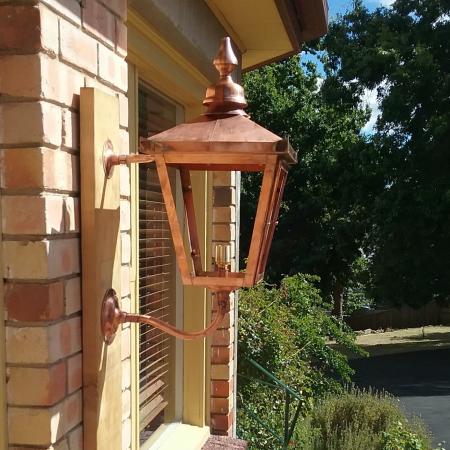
(156, 272)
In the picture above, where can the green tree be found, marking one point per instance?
(322, 222)
(403, 52)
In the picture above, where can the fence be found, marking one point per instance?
(403, 317)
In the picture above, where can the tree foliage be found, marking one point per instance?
(403, 52)
(387, 192)
(322, 222)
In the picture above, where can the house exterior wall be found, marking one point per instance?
(48, 51)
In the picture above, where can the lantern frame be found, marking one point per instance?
(274, 165)
(222, 139)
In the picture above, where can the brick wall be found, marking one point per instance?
(223, 340)
(48, 51)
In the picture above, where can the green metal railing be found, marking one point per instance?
(292, 402)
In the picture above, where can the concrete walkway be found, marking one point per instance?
(420, 379)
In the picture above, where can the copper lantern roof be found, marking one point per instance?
(224, 126)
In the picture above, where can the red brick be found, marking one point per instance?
(36, 386)
(76, 439)
(112, 68)
(40, 427)
(32, 215)
(74, 373)
(221, 422)
(20, 27)
(61, 82)
(44, 169)
(125, 343)
(34, 302)
(228, 320)
(125, 281)
(33, 260)
(214, 302)
(125, 248)
(123, 114)
(69, 337)
(99, 21)
(43, 123)
(72, 295)
(222, 354)
(221, 388)
(69, 9)
(70, 413)
(119, 7)
(20, 75)
(125, 215)
(126, 404)
(121, 38)
(125, 185)
(49, 30)
(223, 337)
(78, 48)
(71, 214)
(221, 405)
(70, 129)
(43, 344)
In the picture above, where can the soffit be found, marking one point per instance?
(257, 28)
(269, 30)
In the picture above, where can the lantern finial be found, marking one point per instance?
(226, 96)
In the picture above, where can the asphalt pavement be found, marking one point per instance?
(421, 380)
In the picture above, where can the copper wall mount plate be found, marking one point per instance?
(110, 316)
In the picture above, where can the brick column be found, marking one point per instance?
(223, 341)
(48, 51)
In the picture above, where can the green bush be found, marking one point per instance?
(357, 420)
(287, 330)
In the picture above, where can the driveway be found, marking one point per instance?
(420, 379)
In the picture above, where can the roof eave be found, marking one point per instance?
(304, 20)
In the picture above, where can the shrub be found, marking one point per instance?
(358, 420)
(287, 330)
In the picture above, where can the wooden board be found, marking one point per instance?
(100, 249)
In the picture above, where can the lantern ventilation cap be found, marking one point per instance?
(225, 97)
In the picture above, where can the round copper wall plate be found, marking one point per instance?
(109, 316)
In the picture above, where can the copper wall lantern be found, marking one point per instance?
(221, 139)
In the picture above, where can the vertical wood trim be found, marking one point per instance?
(195, 381)
(208, 256)
(101, 269)
(3, 406)
(195, 300)
(133, 123)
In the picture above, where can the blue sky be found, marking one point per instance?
(370, 97)
(340, 6)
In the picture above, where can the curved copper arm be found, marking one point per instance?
(112, 316)
(173, 331)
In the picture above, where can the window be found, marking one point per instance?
(157, 277)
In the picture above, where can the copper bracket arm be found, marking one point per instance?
(110, 159)
(112, 316)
